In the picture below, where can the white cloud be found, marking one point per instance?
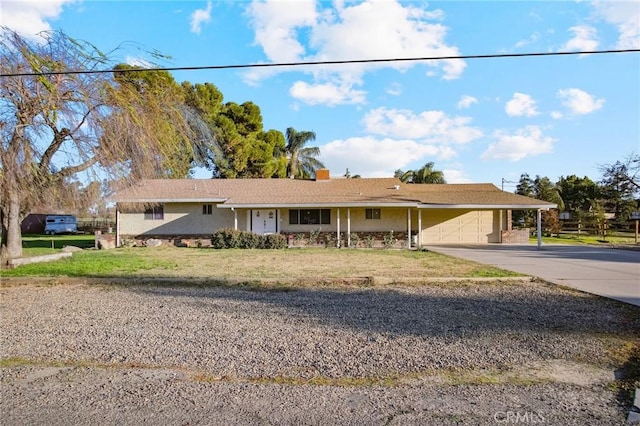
(526, 142)
(625, 16)
(276, 24)
(456, 176)
(394, 89)
(584, 39)
(29, 17)
(579, 102)
(532, 39)
(307, 30)
(327, 94)
(466, 101)
(521, 105)
(199, 17)
(557, 115)
(138, 62)
(432, 126)
(385, 29)
(378, 157)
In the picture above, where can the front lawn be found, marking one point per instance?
(258, 264)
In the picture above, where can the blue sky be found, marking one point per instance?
(479, 120)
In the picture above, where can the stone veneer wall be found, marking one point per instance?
(516, 236)
(364, 239)
(105, 241)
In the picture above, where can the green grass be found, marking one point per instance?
(93, 264)
(613, 238)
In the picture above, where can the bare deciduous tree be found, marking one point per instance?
(54, 126)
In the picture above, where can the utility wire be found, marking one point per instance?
(297, 64)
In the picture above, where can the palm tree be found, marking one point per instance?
(302, 161)
(425, 174)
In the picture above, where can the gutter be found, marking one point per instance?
(170, 200)
(489, 206)
(313, 205)
(398, 205)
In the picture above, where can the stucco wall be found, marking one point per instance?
(179, 219)
(439, 226)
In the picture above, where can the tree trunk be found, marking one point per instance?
(11, 246)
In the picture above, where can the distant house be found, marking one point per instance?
(421, 213)
(33, 223)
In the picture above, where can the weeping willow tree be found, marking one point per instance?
(56, 125)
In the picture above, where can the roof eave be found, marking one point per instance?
(489, 206)
(311, 205)
(169, 200)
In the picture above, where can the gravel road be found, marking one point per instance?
(440, 354)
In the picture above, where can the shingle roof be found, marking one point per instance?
(334, 192)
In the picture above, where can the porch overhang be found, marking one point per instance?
(314, 205)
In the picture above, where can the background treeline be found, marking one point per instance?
(583, 202)
(231, 139)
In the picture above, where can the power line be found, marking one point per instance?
(298, 64)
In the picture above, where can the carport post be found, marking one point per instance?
(539, 230)
(409, 228)
(348, 227)
(419, 229)
(338, 231)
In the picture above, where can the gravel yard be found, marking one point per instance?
(452, 353)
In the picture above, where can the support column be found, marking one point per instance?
(277, 221)
(539, 230)
(500, 228)
(419, 229)
(338, 225)
(349, 228)
(409, 228)
(235, 218)
(249, 220)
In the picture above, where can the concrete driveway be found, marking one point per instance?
(607, 272)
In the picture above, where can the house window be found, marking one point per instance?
(310, 217)
(154, 213)
(207, 209)
(372, 213)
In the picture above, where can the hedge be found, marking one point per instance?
(233, 238)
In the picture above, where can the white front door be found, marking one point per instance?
(263, 222)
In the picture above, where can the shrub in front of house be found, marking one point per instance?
(233, 238)
(273, 241)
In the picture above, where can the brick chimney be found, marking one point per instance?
(322, 174)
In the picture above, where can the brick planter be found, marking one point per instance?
(515, 236)
(363, 240)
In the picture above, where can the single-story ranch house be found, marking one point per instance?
(419, 214)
